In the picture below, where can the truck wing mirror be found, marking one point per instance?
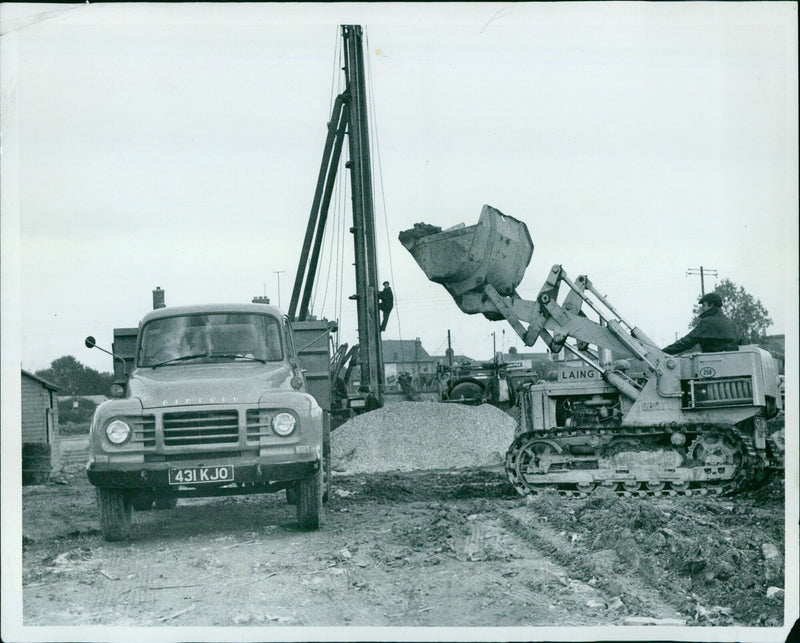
(91, 343)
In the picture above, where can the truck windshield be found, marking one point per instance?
(217, 336)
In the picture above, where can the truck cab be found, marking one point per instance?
(216, 403)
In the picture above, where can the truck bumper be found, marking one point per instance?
(140, 477)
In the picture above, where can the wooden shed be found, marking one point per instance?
(39, 410)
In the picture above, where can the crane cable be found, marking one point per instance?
(377, 156)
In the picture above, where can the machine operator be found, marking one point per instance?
(714, 331)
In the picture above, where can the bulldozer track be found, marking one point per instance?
(749, 473)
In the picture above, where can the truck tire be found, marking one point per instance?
(309, 501)
(467, 391)
(115, 513)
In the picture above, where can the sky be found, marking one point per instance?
(178, 146)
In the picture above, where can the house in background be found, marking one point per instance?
(408, 356)
(450, 358)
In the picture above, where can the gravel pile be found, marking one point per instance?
(410, 436)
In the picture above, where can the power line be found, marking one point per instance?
(702, 272)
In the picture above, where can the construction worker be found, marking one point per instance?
(714, 331)
(385, 304)
(500, 391)
(405, 380)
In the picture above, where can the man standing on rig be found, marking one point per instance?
(385, 304)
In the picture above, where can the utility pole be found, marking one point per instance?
(702, 272)
(449, 350)
(278, 272)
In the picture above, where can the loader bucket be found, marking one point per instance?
(494, 251)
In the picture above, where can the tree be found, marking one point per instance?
(747, 313)
(73, 378)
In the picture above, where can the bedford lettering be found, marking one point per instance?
(201, 400)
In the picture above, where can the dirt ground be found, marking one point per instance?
(434, 548)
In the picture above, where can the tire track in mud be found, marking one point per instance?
(460, 534)
(638, 596)
(530, 581)
(485, 562)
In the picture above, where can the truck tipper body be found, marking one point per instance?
(216, 402)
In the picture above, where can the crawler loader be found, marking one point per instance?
(681, 425)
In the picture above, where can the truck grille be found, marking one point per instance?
(144, 430)
(256, 425)
(201, 427)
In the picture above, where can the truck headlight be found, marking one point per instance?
(118, 432)
(283, 424)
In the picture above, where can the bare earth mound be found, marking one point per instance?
(411, 436)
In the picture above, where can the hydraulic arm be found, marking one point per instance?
(682, 424)
(491, 258)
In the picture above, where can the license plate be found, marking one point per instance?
(201, 475)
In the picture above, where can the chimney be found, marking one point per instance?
(158, 298)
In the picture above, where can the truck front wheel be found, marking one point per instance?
(115, 513)
(309, 501)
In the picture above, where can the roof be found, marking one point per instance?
(208, 309)
(457, 359)
(407, 350)
(534, 357)
(41, 381)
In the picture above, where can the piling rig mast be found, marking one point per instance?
(348, 117)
